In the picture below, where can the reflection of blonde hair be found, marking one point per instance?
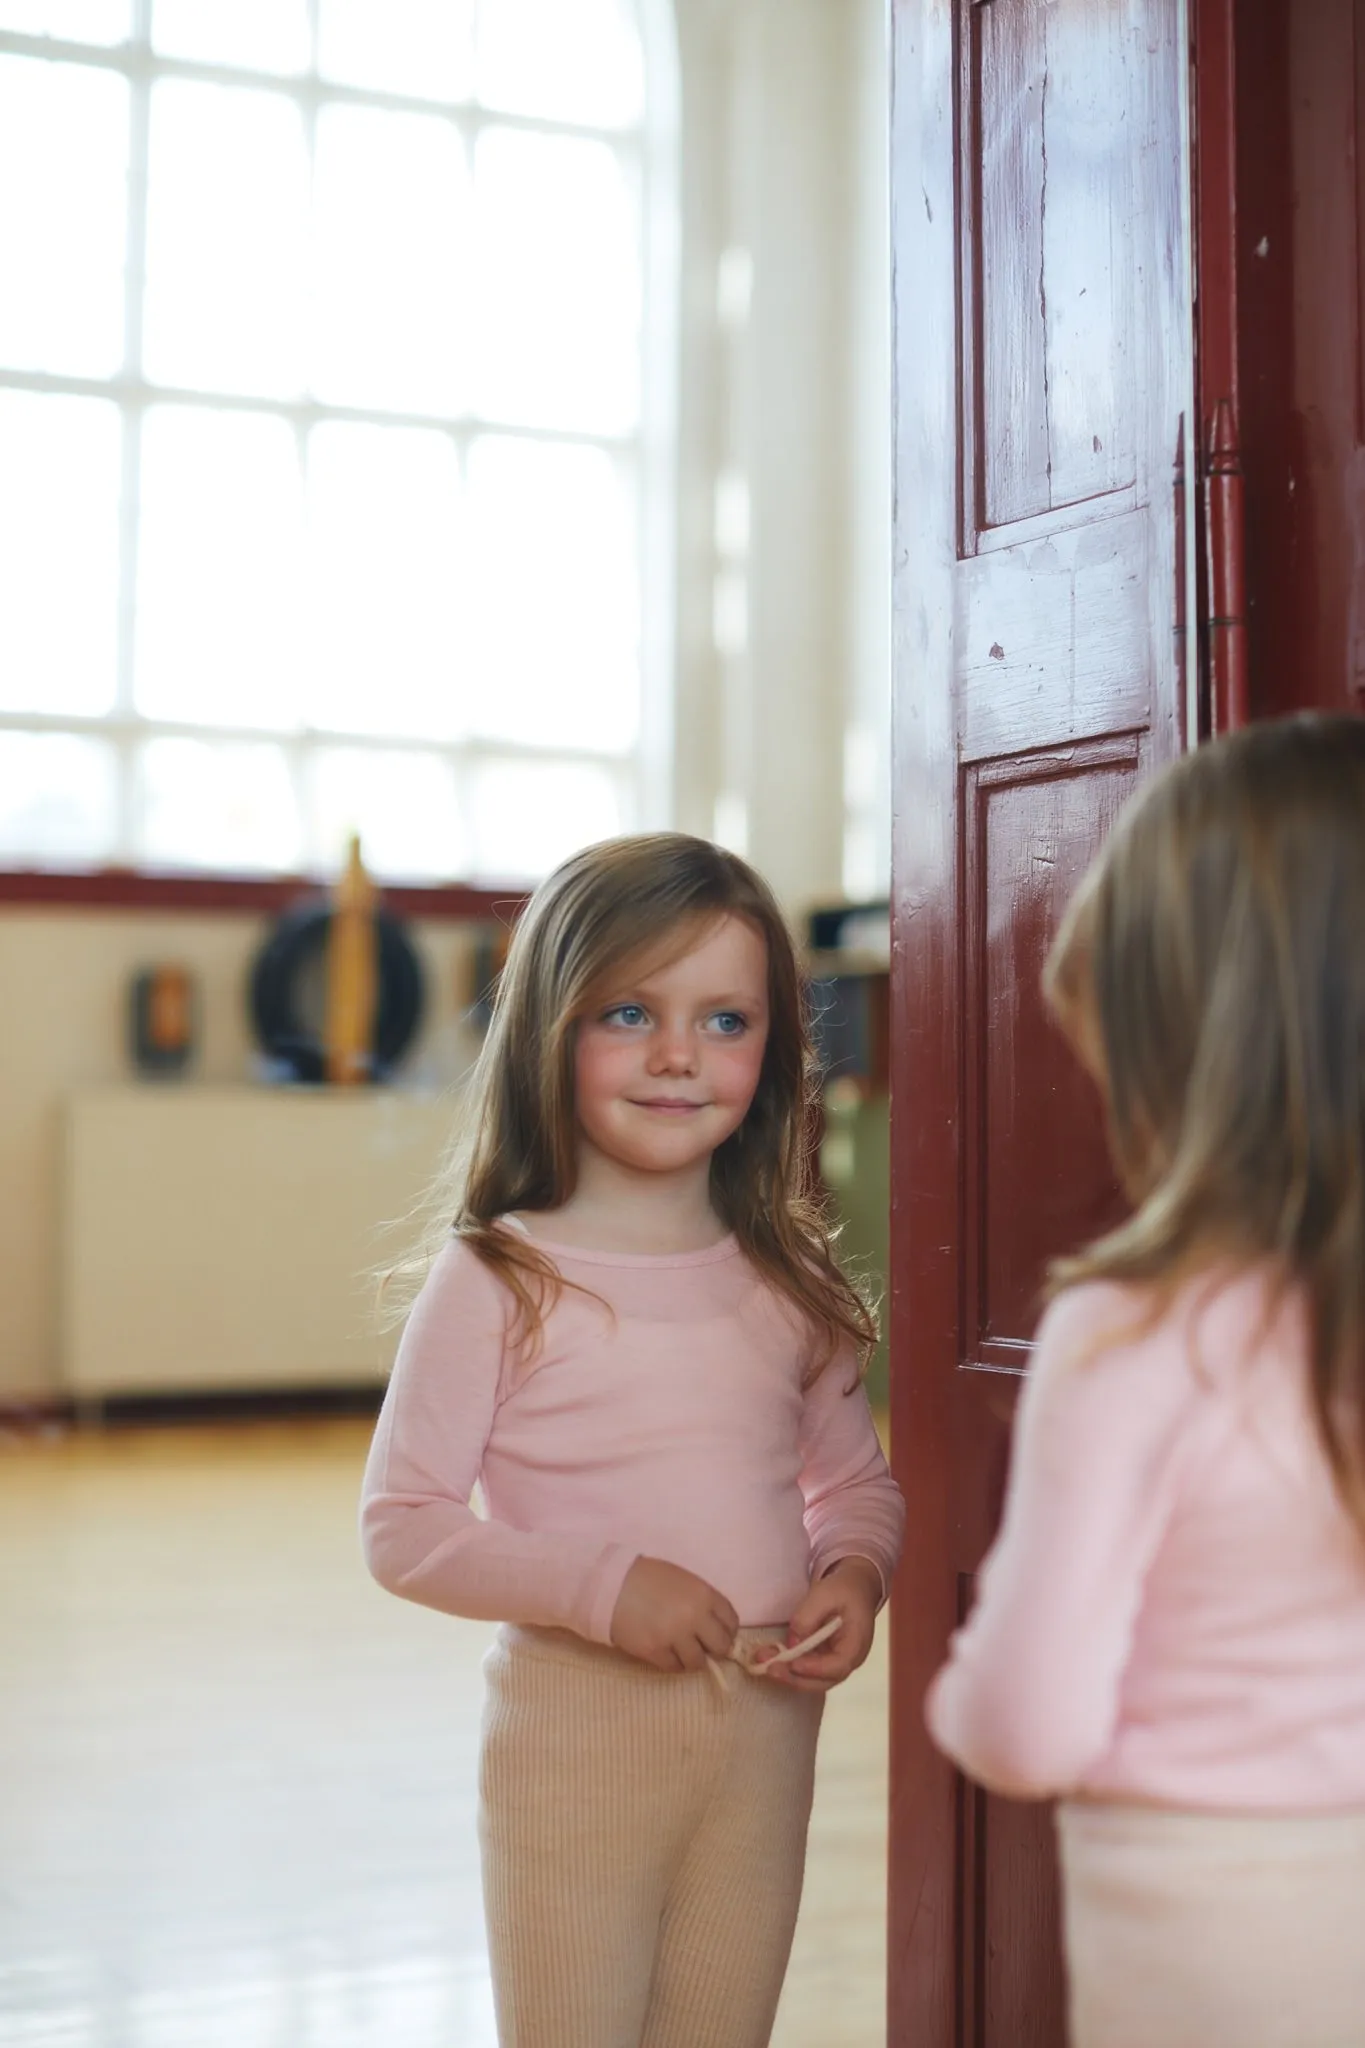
(625, 903)
(1211, 969)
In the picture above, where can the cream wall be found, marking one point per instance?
(782, 150)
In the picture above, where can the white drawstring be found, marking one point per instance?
(746, 1655)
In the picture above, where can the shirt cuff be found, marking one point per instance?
(601, 1591)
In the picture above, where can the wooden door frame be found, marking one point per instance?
(1213, 29)
(922, 1902)
(927, 1852)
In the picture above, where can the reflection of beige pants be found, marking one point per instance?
(644, 1842)
(1192, 1930)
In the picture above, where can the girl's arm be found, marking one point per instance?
(854, 1518)
(1028, 1700)
(421, 1538)
(853, 1505)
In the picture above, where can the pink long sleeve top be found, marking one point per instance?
(665, 1418)
(1174, 1609)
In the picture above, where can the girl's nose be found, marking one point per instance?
(673, 1051)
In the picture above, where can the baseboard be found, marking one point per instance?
(40, 1418)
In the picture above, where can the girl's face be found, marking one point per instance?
(667, 1062)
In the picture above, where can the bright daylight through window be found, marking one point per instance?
(321, 432)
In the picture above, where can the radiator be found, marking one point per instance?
(225, 1238)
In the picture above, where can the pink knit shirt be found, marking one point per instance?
(665, 1419)
(1174, 1610)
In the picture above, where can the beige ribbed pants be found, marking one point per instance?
(644, 1842)
(1193, 1930)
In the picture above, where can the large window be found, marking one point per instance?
(325, 432)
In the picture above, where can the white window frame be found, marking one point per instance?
(644, 777)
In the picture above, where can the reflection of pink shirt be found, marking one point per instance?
(664, 1419)
(1174, 1610)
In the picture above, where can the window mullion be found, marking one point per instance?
(134, 282)
(462, 770)
(301, 749)
(298, 751)
(301, 746)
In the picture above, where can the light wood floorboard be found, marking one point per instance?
(237, 1781)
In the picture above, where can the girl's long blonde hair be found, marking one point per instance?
(648, 897)
(1211, 971)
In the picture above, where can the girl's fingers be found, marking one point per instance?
(813, 1673)
(820, 1663)
(788, 1674)
(830, 1667)
(833, 1664)
(716, 1638)
(781, 1664)
(803, 1645)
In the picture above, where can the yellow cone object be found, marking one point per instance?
(352, 976)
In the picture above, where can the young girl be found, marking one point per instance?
(637, 1341)
(1170, 1631)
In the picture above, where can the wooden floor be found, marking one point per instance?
(237, 1781)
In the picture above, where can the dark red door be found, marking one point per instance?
(1044, 380)
(1297, 231)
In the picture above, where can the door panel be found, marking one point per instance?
(1047, 631)
(1045, 91)
(1036, 1171)
(1043, 373)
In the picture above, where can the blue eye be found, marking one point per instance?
(629, 1014)
(729, 1023)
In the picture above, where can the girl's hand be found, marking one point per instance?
(851, 1591)
(670, 1618)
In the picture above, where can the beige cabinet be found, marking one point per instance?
(226, 1238)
